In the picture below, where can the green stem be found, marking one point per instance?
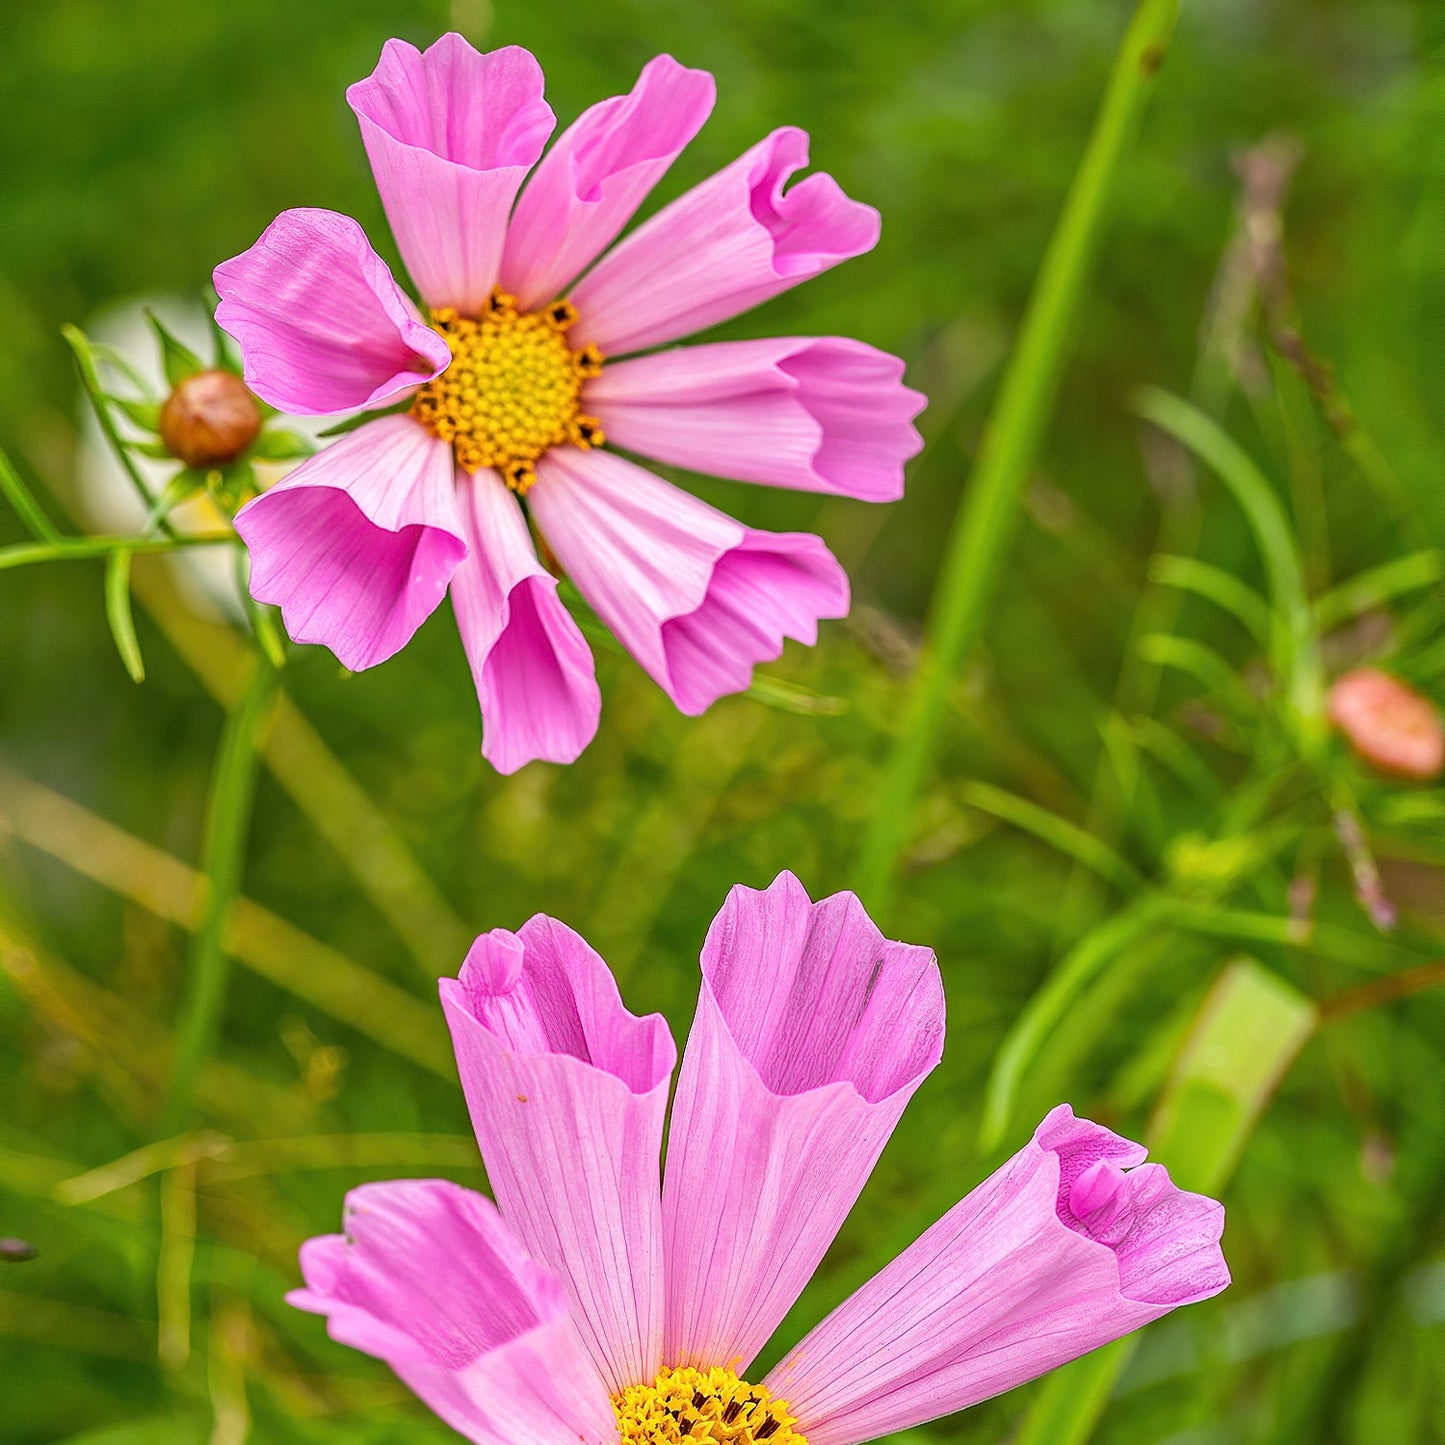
(233, 787)
(978, 543)
(66, 549)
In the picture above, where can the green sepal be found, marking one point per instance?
(157, 451)
(362, 417)
(145, 414)
(178, 358)
(185, 484)
(280, 445)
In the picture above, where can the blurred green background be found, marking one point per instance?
(142, 142)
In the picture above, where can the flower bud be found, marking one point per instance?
(210, 419)
(1389, 725)
(16, 1251)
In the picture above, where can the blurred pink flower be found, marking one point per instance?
(513, 389)
(1390, 725)
(589, 1305)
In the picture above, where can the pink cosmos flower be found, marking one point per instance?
(514, 384)
(589, 1305)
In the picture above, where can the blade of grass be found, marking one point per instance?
(1068, 838)
(228, 822)
(1294, 653)
(1222, 588)
(1247, 1034)
(118, 613)
(978, 541)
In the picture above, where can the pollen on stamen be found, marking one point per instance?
(686, 1404)
(513, 389)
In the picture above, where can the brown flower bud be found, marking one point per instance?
(1389, 725)
(16, 1251)
(210, 419)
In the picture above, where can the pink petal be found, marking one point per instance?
(321, 324)
(595, 177)
(697, 598)
(1066, 1247)
(451, 135)
(818, 414)
(724, 247)
(567, 1092)
(810, 1037)
(535, 680)
(429, 1279)
(357, 545)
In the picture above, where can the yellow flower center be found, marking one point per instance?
(513, 389)
(707, 1405)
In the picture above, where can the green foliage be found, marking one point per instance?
(1132, 780)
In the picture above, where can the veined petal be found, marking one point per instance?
(429, 1279)
(812, 1033)
(821, 414)
(451, 134)
(357, 545)
(567, 1092)
(697, 598)
(592, 181)
(1066, 1247)
(726, 246)
(321, 324)
(536, 684)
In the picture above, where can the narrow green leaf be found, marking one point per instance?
(1068, 838)
(1378, 585)
(1203, 664)
(27, 508)
(1294, 652)
(1074, 972)
(792, 697)
(157, 451)
(1222, 588)
(361, 418)
(118, 613)
(177, 358)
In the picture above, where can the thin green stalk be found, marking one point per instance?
(79, 344)
(233, 787)
(23, 500)
(69, 549)
(978, 543)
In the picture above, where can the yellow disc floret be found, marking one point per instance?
(513, 389)
(709, 1405)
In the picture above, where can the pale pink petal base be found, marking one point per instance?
(592, 181)
(728, 245)
(1066, 1247)
(567, 1092)
(429, 1279)
(321, 324)
(820, 414)
(535, 680)
(697, 598)
(357, 545)
(451, 135)
(812, 1033)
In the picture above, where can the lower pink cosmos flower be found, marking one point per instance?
(588, 1305)
(514, 383)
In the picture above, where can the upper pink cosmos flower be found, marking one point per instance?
(588, 1305)
(515, 385)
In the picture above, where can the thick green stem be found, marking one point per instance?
(228, 820)
(978, 543)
